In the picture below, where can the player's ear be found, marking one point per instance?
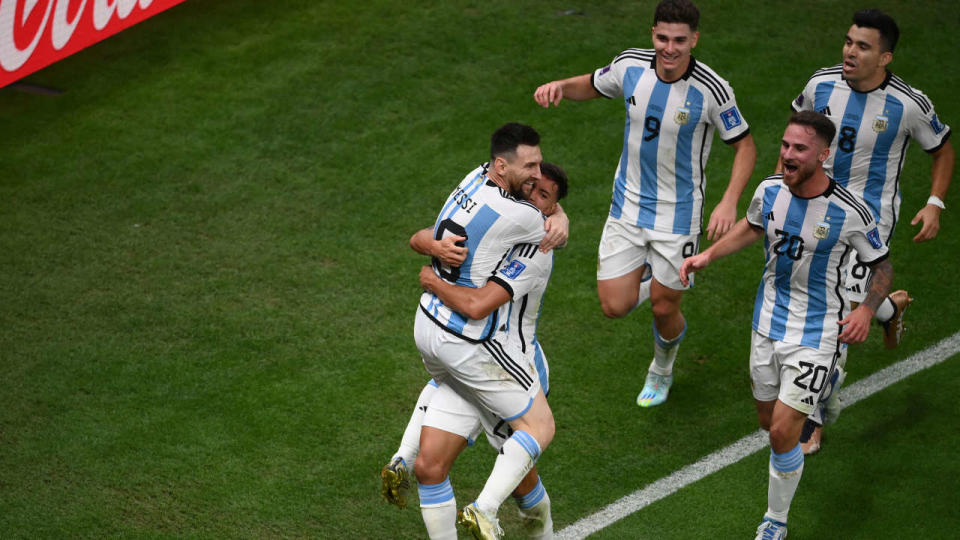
(694, 39)
(885, 58)
(824, 154)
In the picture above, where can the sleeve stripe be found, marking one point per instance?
(852, 201)
(906, 90)
(713, 82)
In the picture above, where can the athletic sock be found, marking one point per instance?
(410, 443)
(439, 509)
(665, 351)
(517, 457)
(785, 471)
(535, 513)
(886, 310)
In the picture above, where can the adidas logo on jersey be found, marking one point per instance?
(808, 400)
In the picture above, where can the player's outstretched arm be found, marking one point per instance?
(724, 215)
(856, 325)
(579, 88)
(740, 236)
(557, 229)
(941, 173)
(474, 303)
(446, 249)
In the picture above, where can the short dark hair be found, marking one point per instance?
(558, 175)
(822, 125)
(677, 11)
(508, 137)
(883, 23)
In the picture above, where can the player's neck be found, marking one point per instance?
(498, 180)
(869, 84)
(816, 185)
(672, 75)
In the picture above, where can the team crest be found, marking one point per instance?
(682, 116)
(822, 230)
(881, 123)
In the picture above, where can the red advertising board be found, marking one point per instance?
(37, 33)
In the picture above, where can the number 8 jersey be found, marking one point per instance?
(660, 180)
(873, 131)
(807, 242)
(493, 222)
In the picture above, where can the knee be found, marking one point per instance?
(429, 471)
(663, 307)
(612, 311)
(780, 438)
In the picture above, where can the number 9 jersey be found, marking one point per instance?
(660, 180)
(493, 222)
(807, 242)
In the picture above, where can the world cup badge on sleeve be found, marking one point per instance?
(682, 116)
(881, 123)
(822, 230)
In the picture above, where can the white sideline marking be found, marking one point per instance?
(754, 442)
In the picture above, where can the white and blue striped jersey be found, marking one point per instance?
(525, 274)
(873, 131)
(493, 222)
(659, 183)
(807, 242)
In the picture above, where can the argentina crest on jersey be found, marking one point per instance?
(514, 269)
(822, 230)
(881, 123)
(682, 116)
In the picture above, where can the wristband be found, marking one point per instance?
(936, 201)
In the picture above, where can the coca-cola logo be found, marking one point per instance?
(23, 23)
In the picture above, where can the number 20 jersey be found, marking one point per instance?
(807, 242)
(493, 222)
(873, 131)
(659, 183)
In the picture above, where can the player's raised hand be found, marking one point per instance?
(545, 94)
(856, 325)
(929, 215)
(451, 250)
(722, 219)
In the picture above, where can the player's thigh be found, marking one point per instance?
(495, 376)
(666, 252)
(803, 375)
(537, 421)
(622, 251)
(764, 373)
(450, 412)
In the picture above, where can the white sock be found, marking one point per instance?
(535, 513)
(664, 351)
(410, 443)
(439, 509)
(516, 458)
(886, 311)
(785, 471)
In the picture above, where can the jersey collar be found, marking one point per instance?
(686, 74)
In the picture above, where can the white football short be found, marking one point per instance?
(492, 375)
(448, 411)
(857, 274)
(794, 374)
(624, 247)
